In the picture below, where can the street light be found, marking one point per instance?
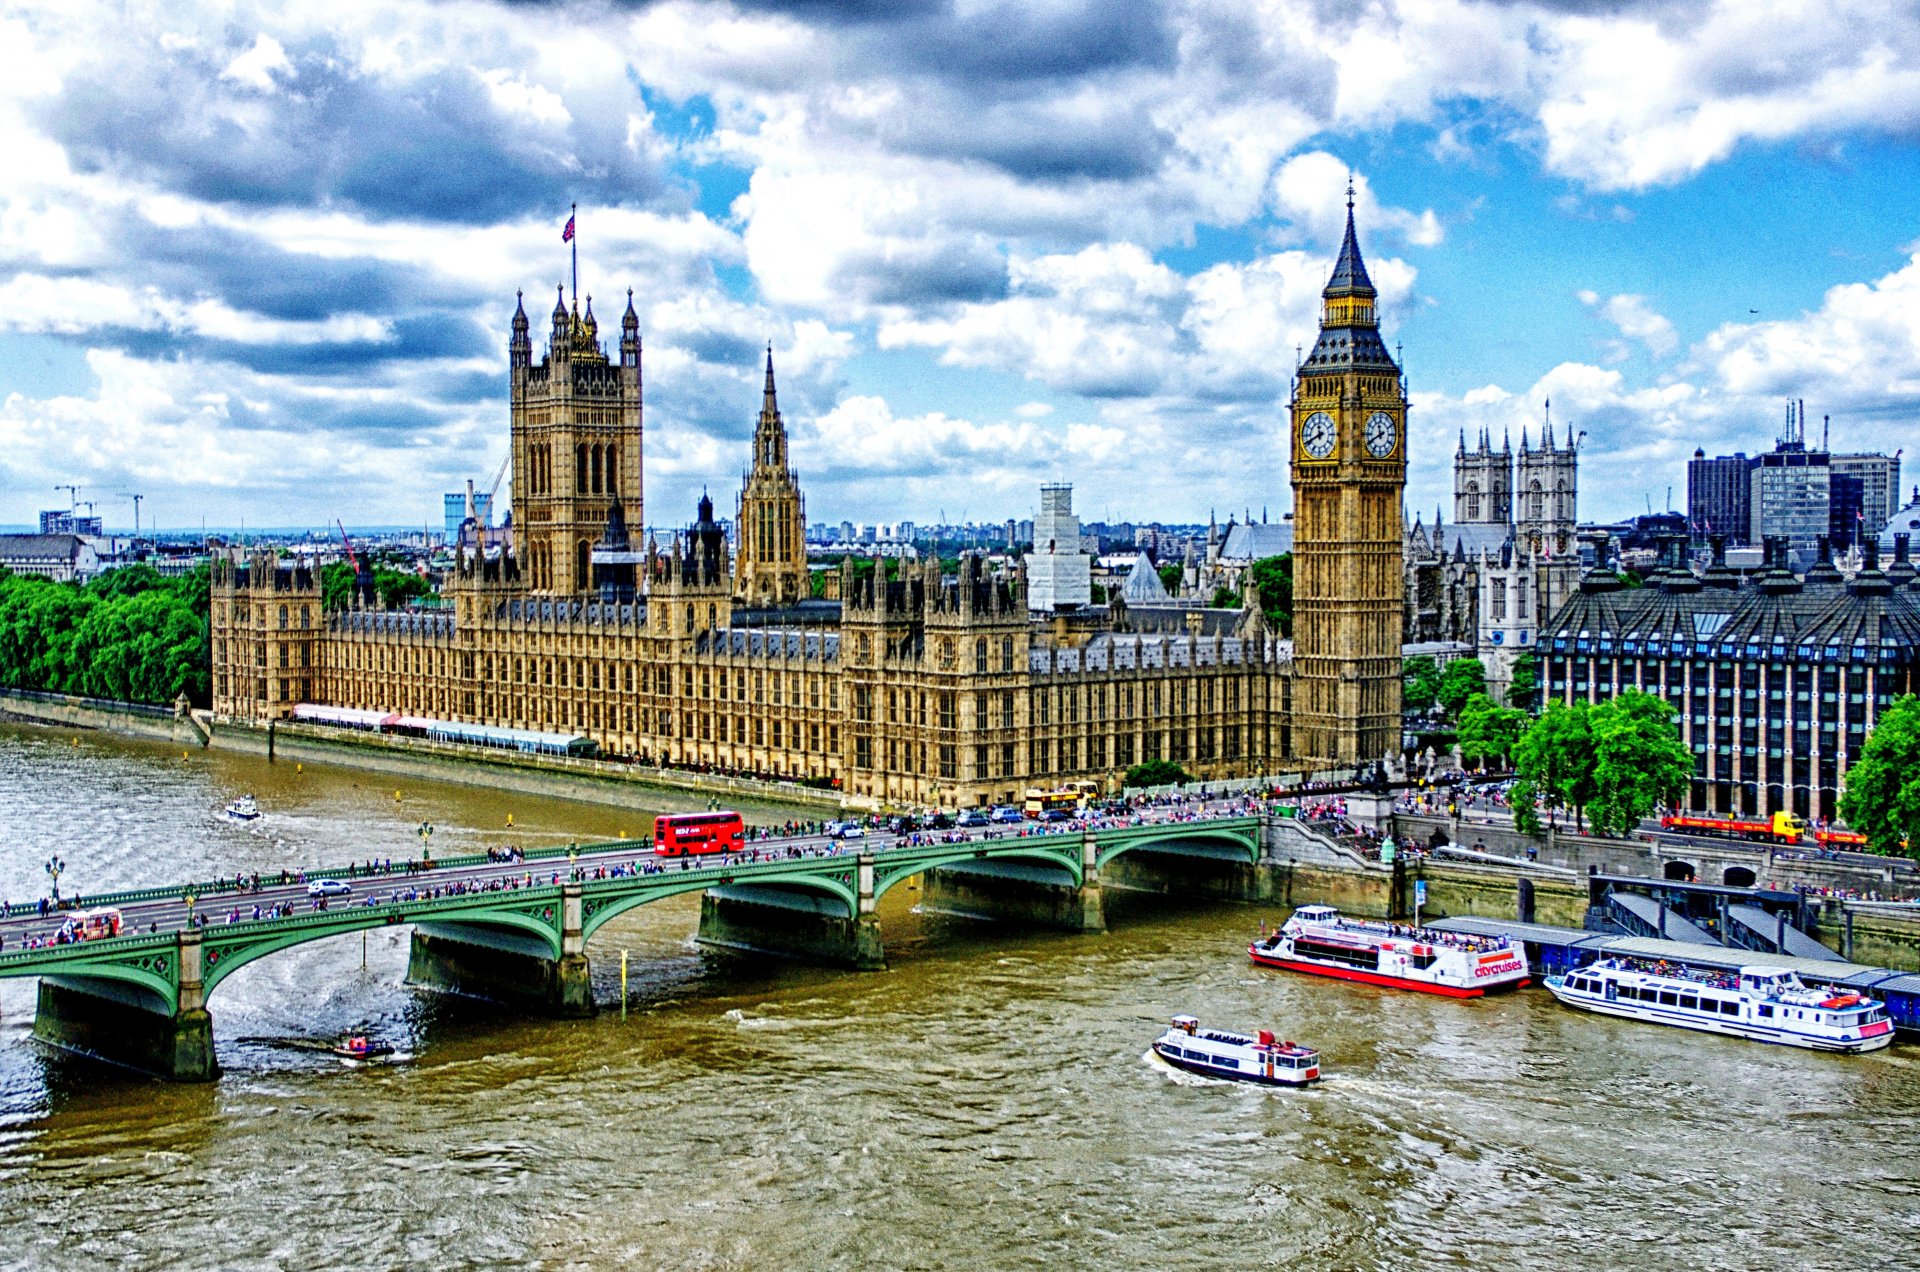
(54, 868)
(426, 838)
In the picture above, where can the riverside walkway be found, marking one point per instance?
(513, 927)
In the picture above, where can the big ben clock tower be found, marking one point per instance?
(1349, 418)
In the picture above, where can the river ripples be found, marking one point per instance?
(989, 1102)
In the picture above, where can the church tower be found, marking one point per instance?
(1349, 418)
(770, 559)
(1548, 518)
(1483, 483)
(576, 444)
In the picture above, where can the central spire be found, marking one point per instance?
(1350, 271)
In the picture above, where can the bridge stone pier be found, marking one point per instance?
(506, 965)
(140, 1023)
(797, 922)
(1035, 891)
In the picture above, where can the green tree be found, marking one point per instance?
(1881, 798)
(1226, 598)
(1419, 682)
(1171, 576)
(1639, 760)
(1525, 686)
(1487, 729)
(1272, 577)
(1157, 773)
(1554, 760)
(336, 585)
(1460, 680)
(1523, 798)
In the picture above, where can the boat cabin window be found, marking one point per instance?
(1668, 998)
(1766, 1013)
(1728, 1007)
(1689, 1002)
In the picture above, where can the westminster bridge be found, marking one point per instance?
(516, 930)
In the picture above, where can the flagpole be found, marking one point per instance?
(574, 221)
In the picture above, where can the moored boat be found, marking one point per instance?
(1766, 1004)
(242, 809)
(1321, 941)
(1218, 1053)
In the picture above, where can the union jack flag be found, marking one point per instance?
(566, 235)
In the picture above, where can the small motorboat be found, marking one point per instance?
(243, 809)
(1217, 1053)
(360, 1047)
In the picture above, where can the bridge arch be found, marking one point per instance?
(1738, 877)
(1216, 843)
(149, 975)
(1678, 871)
(599, 910)
(223, 957)
(1063, 856)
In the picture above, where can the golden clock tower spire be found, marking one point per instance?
(1349, 417)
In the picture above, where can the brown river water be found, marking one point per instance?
(985, 1103)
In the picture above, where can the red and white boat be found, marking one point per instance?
(1318, 939)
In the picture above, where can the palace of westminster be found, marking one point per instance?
(921, 686)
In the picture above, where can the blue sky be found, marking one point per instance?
(257, 261)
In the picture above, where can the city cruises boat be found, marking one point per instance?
(361, 1047)
(243, 809)
(1767, 1004)
(1320, 940)
(1216, 1053)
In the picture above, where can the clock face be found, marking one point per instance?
(1317, 435)
(1380, 434)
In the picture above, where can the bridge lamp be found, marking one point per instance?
(426, 841)
(55, 866)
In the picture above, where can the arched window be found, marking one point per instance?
(713, 618)
(613, 470)
(596, 470)
(1473, 501)
(1534, 500)
(580, 469)
(980, 655)
(1006, 653)
(689, 622)
(582, 574)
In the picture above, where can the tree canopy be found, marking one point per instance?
(1172, 575)
(1419, 682)
(1489, 730)
(1460, 680)
(1881, 798)
(1639, 760)
(1157, 773)
(1273, 576)
(1525, 686)
(393, 588)
(131, 635)
(1554, 761)
(1613, 762)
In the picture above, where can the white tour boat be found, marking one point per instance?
(1216, 1053)
(1318, 939)
(1767, 1004)
(242, 809)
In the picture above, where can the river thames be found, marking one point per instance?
(985, 1103)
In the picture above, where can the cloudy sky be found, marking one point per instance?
(258, 260)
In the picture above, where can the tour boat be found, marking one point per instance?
(1767, 1004)
(1216, 1053)
(1318, 939)
(360, 1047)
(242, 809)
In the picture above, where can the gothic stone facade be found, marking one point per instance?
(920, 688)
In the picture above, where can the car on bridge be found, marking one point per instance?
(1006, 813)
(972, 817)
(846, 830)
(329, 888)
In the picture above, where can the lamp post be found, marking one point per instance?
(426, 841)
(55, 866)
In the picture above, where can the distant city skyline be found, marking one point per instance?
(260, 262)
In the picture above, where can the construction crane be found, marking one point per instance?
(125, 494)
(352, 557)
(73, 496)
(493, 491)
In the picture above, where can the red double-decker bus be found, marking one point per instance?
(684, 834)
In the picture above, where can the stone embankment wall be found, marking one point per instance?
(131, 719)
